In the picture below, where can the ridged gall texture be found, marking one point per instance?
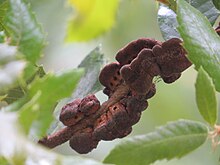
(69, 114)
(139, 74)
(110, 76)
(130, 51)
(171, 58)
(101, 130)
(89, 105)
(120, 116)
(83, 142)
(75, 111)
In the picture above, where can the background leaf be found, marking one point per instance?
(200, 40)
(89, 82)
(93, 18)
(216, 3)
(24, 30)
(42, 97)
(167, 17)
(205, 97)
(167, 22)
(185, 135)
(15, 147)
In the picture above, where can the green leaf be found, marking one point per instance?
(205, 97)
(167, 17)
(200, 40)
(216, 3)
(42, 97)
(185, 135)
(24, 30)
(93, 18)
(29, 112)
(15, 147)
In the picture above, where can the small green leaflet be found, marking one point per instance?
(167, 17)
(205, 97)
(185, 135)
(200, 40)
(24, 30)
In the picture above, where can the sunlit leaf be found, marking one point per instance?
(24, 30)
(93, 18)
(200, 40)
(173, 140)
(205, 97)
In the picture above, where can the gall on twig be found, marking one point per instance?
(128, 84)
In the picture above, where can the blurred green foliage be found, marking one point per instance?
(92, 19)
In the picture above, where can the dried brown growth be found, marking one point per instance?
(128, 83)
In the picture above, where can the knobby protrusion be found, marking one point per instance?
(128, 84)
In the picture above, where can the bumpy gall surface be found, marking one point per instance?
(128, 84)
